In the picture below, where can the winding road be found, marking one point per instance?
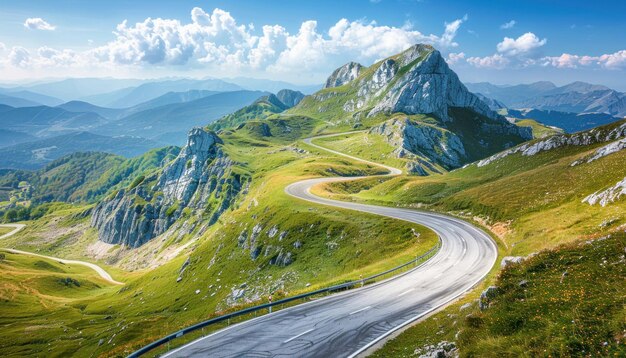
(99, 270)
(347, 324)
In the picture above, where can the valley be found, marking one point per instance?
(429, 212)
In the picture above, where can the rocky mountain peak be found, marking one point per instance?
(290, 97)
(344, 74)
(428, 85)
(199, 181)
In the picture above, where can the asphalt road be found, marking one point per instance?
(346, 324)
(99, 270)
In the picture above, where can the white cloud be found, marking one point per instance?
(520, 52)
(496, 61)
(522, 45)
(19, 57)
(216, 42)
(508, 25)
(37, 23)
(2, 47)
(616, 60)
(454, 58)
(447, 39)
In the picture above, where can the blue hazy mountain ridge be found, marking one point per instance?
(35, 154)
(577, 97)
(179, 117)
(9, 137)
(37, 98)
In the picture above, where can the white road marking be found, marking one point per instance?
(405, 292)
(300, 335)
(362, 309)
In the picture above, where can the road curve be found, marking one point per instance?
(346, 324)
(17, 227)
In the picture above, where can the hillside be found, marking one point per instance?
(261, 108)
(82, 177)
(549, 192)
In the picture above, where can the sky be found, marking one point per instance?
(503, 42)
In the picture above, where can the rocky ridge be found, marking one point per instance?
(558, 141)
(607, 196)
(200, 181)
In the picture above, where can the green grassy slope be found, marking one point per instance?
(325, 246)
(528, 199)
(531, 203)
(539, 130)
(564, 302)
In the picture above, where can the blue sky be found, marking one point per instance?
(497, 41)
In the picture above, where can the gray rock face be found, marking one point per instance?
(607, 196)
(441, 350)
(509, 260)
(422, 139)
(492, 103)
(200, 174)
(428, 86)
(289, 97)
(344, 74)
(487, 296)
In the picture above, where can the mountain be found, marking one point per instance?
(169, 123)
(72, 88)
(289, 97)
(9, 137)
(578, 97)
(31, 97)
(256, 84)
(569, 121)
(260, 109)
(83, 176)
(425, 110)
(135, 215)
(597, 101)
(151, 90)
(509, 95)
(36, 154)
(172, 98)
(16, 101)
(493, 104)
(80, 106)
(44, 121)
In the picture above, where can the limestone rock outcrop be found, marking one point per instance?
(200, 181)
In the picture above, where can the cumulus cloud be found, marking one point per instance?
(496, 61)
(508, 25)
(523, 45)
(616, 60)
(454, 58)
(19, 57)
(522, 51)
(216, 42)
(37, 23)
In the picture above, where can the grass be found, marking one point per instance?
(327, 246)
(364, 145)
(539, 311)
(539, 130)
(5, 230)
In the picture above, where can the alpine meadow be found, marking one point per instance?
(382, 178)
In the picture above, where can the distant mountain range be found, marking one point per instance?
(576, 97)
(35, 154)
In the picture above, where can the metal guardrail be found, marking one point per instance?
(228, 316)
